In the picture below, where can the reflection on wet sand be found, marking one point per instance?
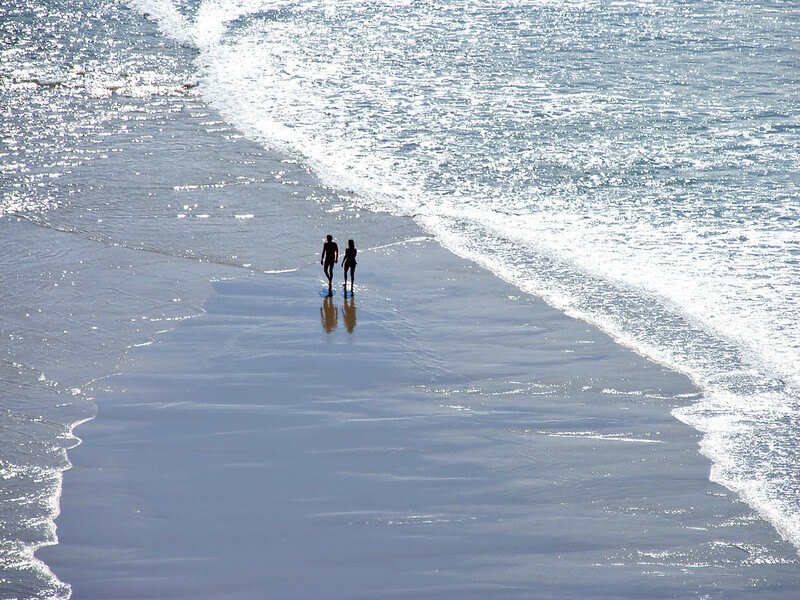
(329, 314)
(349, 310)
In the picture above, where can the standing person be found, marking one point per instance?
(330, 256)
(349, 263)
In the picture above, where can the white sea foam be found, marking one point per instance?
(644, 184)
(171, 21)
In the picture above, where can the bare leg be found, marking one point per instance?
(352, 271)
(329, 274)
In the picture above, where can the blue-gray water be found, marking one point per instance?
(634, 163)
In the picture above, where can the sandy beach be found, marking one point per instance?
(570, 368)
(439, 435)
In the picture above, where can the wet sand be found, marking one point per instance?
(439, 435)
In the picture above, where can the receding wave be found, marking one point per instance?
(623, 162)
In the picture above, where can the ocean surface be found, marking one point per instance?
(634, 163)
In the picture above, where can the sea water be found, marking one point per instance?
(635, 163)
(121, 195)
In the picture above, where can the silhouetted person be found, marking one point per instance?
(349, 310)
(349, 264)
(329, 314)
(330, 256)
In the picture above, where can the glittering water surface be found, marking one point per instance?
(111, 169)
(634, 163)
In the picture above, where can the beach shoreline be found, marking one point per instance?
(450, 437)
(170, 170)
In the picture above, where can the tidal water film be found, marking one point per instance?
(635, 164)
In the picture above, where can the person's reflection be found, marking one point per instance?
(349, 310)
(329, 314)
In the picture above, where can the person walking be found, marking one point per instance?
(349, 264)
(330, 256)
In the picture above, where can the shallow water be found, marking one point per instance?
(634, 163)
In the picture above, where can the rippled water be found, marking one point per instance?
(634, 163)
(122, 194)
(92, 256)
(70, 92)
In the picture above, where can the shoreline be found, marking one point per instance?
(482, 442)
(464, 438)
